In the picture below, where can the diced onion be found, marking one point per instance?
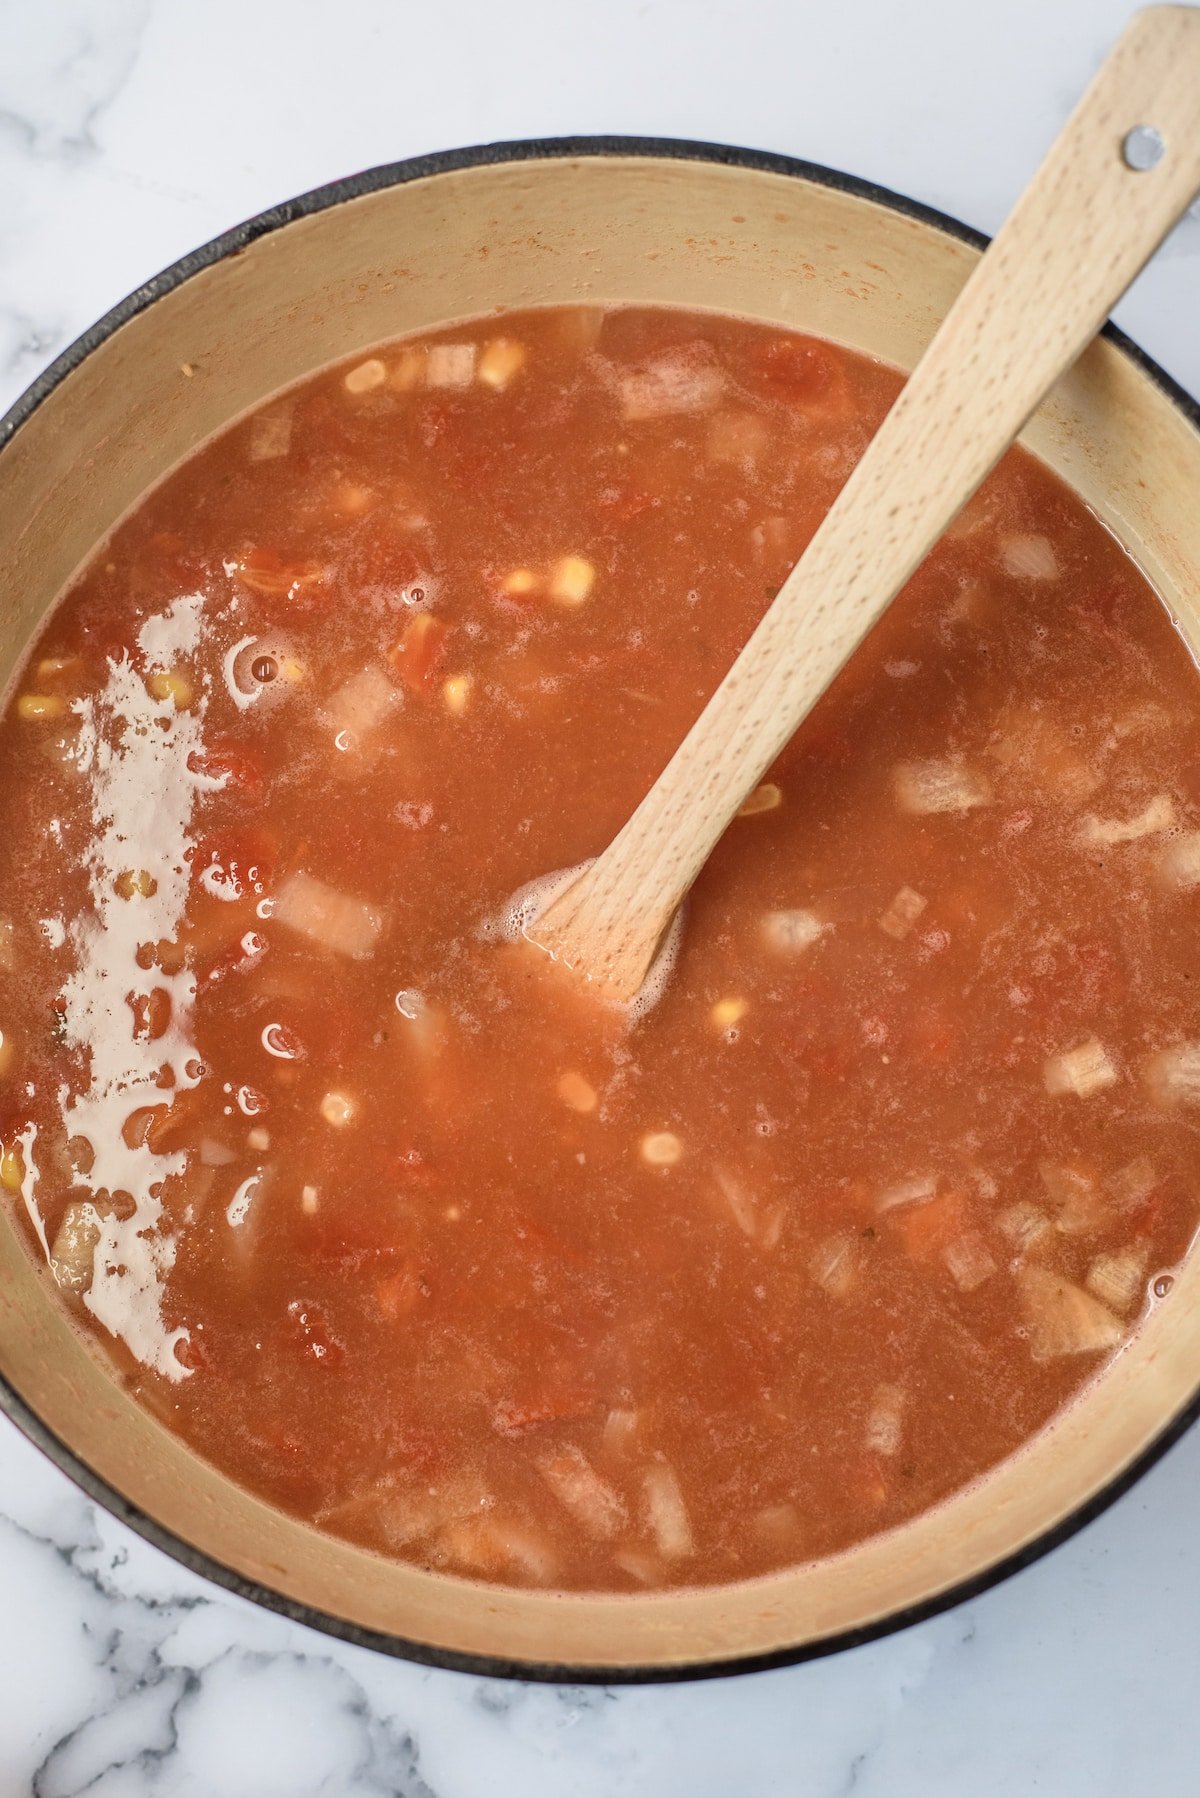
(1173, 1075)
(917, 1191)
(581, 1491)
(214, 1154)
(1179, 864)
(73, 1252)
(1082, 1071)
(902, 913)
(333, 919)
(834, 1265)
(365, 377)
(1119, 1280)
(666, 1512)
(1075, 1200)
(1132, 1184)
(1103, 833)
(970, 1260)
(1030, 557)
(1024, 1226)
(1063, 1319)
(361, 703)
(931, 787)
(450, 365)
(792, 931)
(885, 1420)
(271, 434)
(687, 379)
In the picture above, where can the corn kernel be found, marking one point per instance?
(408, 370)
(571, 580)
(456, 692)
(8, 1051)
(763, 799)
(662, 1148)
(12, 1170)
(337, 1109)
(131, 885)
(503, 358)
(41, 706)
(171, 683)
(309, 1200)
(576, 1092)
(519, 583)
(728, 1012)
(292, 671)
(366, 377)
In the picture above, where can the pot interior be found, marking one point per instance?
(414, 252)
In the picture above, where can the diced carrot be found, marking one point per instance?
(418, 655)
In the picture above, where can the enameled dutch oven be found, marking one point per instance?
(401, 249)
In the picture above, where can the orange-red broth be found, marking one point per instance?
(407, 1239)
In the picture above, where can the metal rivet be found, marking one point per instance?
(1143, 148)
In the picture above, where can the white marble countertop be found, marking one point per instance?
(132, 130)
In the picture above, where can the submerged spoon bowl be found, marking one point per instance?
(1121, 172)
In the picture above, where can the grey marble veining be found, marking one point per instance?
(130, 130)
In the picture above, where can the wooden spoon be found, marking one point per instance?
(1123, 170)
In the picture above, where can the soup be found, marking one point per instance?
(371, 1204)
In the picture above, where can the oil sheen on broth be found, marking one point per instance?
(366, 1202)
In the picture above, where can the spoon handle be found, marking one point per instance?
(1087, 223)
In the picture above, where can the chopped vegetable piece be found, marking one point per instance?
(902, 913)
(1063, 1319)
(1025, 1226)
(834, 1265)
(519, 583)
(766, 798)
(885, 1420)
(970, 1260)
(500, 361)
(792, 931)
(661, 1148)
(571, 580)
(1179, 864)
(688, 379)
(577, 1092)
(362, 703)
(1076, 1203)
(578, 1487)
(1119, 1280)
(739, 437)
(450, 365)
(1082, 1071)
(932, 787)
(366, 377)
(456, 694)
(408, 370)
(271, 434)
(728, 1012)
(917, 1191)
(620, 1430)
(418, 655)
(1032, 558)
(73, 1253)
(41, 707)
(12, 1168)
(338, 1110)
(1132, 1184)
(1173, 1075)
(1103, 833)
(666, 1512)
(333, 919)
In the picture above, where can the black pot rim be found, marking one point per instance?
(12, 1405)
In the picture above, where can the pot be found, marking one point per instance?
(401, 249)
